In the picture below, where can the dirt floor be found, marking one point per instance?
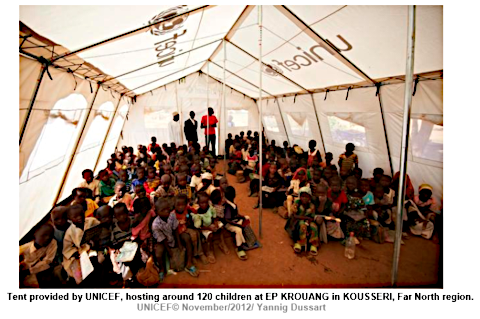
(275, 265)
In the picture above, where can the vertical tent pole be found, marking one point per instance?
(260, 126)
(125, 121)
(208, 99)
(32, 102)
(385, 131)
(106, 135)
(283, 121)
(405, 136)
(74, 151)
(179, 113)
(318, 121)
(224, 94)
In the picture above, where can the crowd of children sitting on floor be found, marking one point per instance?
(148, 212)
(321, 200)
(158, 209)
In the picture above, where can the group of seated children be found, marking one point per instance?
(321, 200)
(147, 213)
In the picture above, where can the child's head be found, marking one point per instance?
(351, 183)
(283, 163)
(317, 175)
(230, 193)
(121, 212)
(195, 170)
(251, 152)
(154, 140)
(378, 191)
(335, 184)
(80, 195)
(167, 169)
(349, 148)
(273, 168)
(43, 235)
(203, 199)
(182, 180)
(301, 175)
(357, 172)
(162, 207)
(120, 189)
(242, 133)
(249, 133)
(140, 191)
(104, 176)
(305, 195)
(328, 157)
(104, 214)
(229, 136)
(140, 172)
(123, 176)
(59, 217)
(364, 186)
(344, 173)
(151, 172)
(328, 173)
(216, 197)
(181, 203)
(425, 192)
(223, 183)
(87, 175)
(76, 215)
(312, 144)
(207, 179)
(385, 181)
(285, 144)
(321, 191)
(141, 205)
(166, 181)
(377, 173)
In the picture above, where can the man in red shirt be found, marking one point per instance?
(210, 129)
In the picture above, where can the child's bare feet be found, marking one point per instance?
(204, 259)
(224, 248)
(211, 259)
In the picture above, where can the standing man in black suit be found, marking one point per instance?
(190, 129)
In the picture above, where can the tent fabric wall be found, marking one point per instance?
(37, 199)
(301, 105)
(362, 107)
(428, 100)
(90, 143)
(270, 108)
(29, 72)
(188, 95)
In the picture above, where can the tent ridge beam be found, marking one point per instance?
(130, 33)
(317, 38)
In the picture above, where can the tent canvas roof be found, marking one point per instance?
(305, 48)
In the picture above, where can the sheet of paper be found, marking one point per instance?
(85, 264)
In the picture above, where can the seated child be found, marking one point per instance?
(301, 226)
(328, 161)
(152, 182)
(234, 222)
(121, 195)
(316, 179)
(385, 181)
(167, 170)
(188, 237)
(196, 177)
(355, 219)
(284, 170)
(123, 176)
(218, 205)
(141, 179)
(313, 153)
(91, 183)
(348, 160)
(107, 185)
(38, 257)
(142, 220)
(204, 219)
(271, 198)
(165, 189)
(207, 184)
(80, 197)
(298, 181)
(422, 215)
(182, 187)
(122, 227)
(324, 214)
(337, 196)
(382, 207)
(60, 223)
(163, 229)
(72, 242)
(377, 174)
(139, 193)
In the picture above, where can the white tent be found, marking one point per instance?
(93, 78)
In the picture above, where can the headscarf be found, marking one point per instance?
(305, 189)
(295, 175)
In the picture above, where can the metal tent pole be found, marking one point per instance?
(318, 121)
(260, 126)
(405, 135)
(208, 104)
(32, 102)
(224, 94)
(385, 131)
(106, 135)
(74, 151)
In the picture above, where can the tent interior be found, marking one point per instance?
(335, 74)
